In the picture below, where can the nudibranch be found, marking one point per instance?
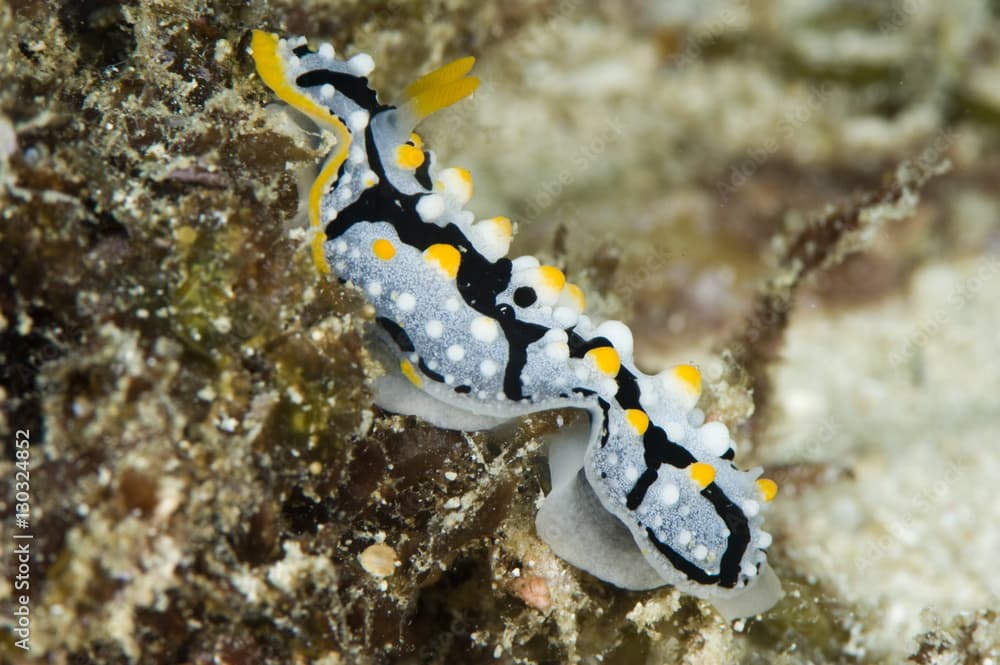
(644, 492)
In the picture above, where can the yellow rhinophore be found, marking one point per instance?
(451, 72)
(271, 69)
(439, 89)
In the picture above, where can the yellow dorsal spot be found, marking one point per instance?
(504, 226)
(446, 257)
(606, 359)
(638, 420)
(383, 249)
(319, 258)
(271, 68)
(453, 71)
(576, 295)
(435, 99)
(416, 140)
(407, 368)
(690, 377)
(702, 474)
(768, 488)
(552, 277)
(409, 157)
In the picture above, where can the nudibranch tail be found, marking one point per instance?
(644, 492)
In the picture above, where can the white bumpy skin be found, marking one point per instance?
(643, 492)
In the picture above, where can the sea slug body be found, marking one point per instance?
(643, 492)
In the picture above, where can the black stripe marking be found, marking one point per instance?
(692, 571)
(431, 374)
(354, 87)
(578, 346)
(423, 172)
(736, 545)
(605, 407)
(638, 491)
(520, 335)
(659, 449)
(628, 389)
(739, 534)
(397, 333)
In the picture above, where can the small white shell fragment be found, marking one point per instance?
(534, 591)
(378, 560)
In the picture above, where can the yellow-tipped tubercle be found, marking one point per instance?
(702, 474)
(606, 359)
(768, 488)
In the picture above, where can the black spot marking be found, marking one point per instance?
(728, 455)
(525, 296)
(302, 50)
(463, 390)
